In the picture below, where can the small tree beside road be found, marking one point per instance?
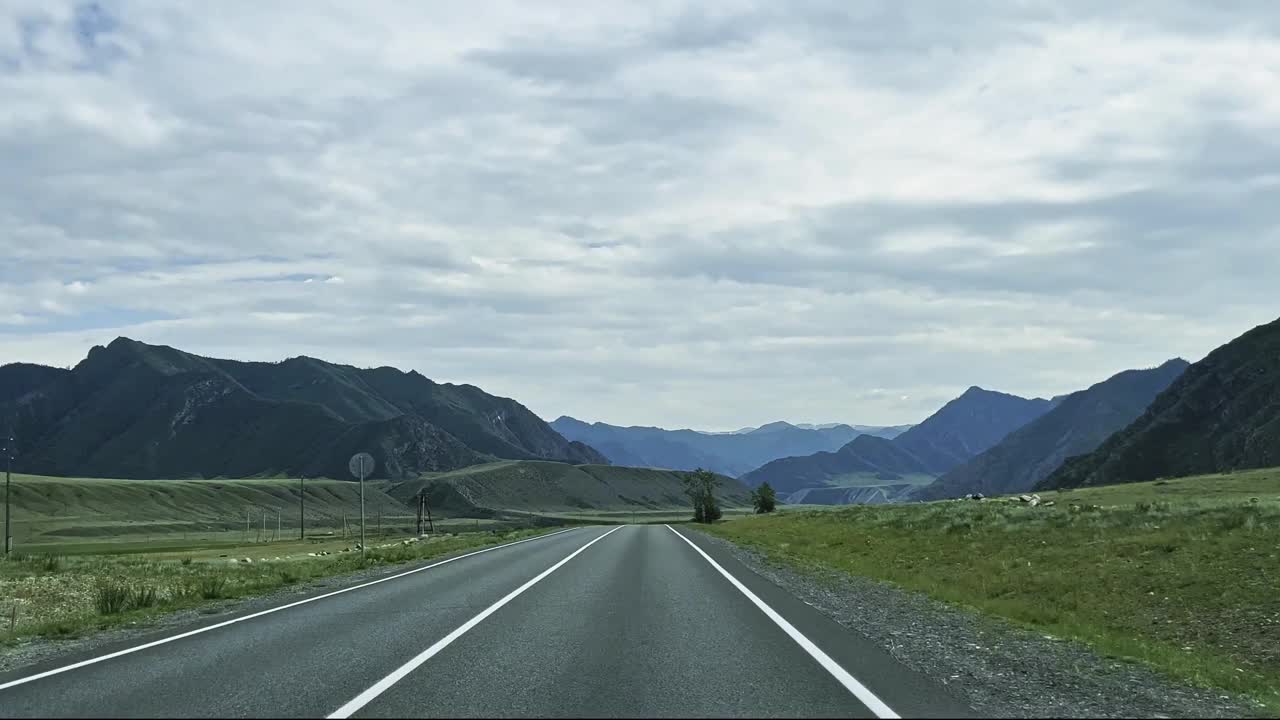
(700, 485)
(764, 498)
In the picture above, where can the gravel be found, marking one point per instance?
(999, 669)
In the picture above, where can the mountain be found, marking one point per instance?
(1222, 414)
(1078, 424)
(968, 425)
(133, 410)
(957, 432)
(727, 453)
(866, 458)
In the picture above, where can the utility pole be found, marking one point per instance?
(263, 535)
(246, 524)
(360, 465)
(362, 508)
(302, 508)
(427, 505)
(8, 470)
(277, 536)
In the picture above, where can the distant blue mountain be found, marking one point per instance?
(731, 454)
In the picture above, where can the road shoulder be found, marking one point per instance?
(38, 654)
(996, 668)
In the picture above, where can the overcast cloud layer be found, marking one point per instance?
(674, 213)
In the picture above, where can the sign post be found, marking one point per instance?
(360, 465)
(8, 469)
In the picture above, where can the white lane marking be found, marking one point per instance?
(860, 691)
(197, 631)
(385, 683)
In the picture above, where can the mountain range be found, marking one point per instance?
(730, 454)
(132, 410)
(960, 430)
(1221, 414)
(1077, 424)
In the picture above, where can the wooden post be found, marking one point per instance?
(430, 525)
(246, 524)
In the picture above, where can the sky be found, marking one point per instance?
(685, 214)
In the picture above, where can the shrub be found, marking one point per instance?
(212, 587)
(145, 596)
(51, 563)
(112, 597)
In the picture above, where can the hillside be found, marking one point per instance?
(539, 486)
(957, 432)
(730, 454)
(1078, 424)
(131, 410)
(1222, 414)
(969, 425)
(49, 510)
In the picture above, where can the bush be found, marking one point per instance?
(145, 596)
(212, 587)
(112, 597)
(51, 563)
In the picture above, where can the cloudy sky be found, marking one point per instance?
(706, 214)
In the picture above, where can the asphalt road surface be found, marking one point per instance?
(629, 621)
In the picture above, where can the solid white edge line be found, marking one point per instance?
(860, 691)
(398, 674)
(197, 631)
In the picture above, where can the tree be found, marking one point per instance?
(700, 485)
(764, 498)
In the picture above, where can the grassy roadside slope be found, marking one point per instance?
(52, 513)
(54, 596)
(1182, 574)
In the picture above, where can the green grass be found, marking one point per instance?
(545, 487)
(67, 515)
(77, 595)
(1183, 575)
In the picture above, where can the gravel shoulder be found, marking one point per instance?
(1001, 670)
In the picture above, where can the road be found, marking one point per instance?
(628, 621)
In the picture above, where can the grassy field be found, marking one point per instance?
(66, 596)
(1182, 574)
(74, 514)
(554, 488)
(605, 517)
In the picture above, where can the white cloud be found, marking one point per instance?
(655, 213)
